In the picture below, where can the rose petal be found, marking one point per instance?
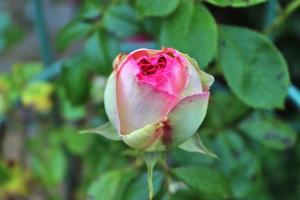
(139, 104)
(186, 117)
(110, 101)
(206, 79)
(171, 78)
(194, 85)
(143, 52)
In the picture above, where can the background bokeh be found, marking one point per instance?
(55, 56)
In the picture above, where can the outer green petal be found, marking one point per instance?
(146, 138)
(187, 116)
(110, 101)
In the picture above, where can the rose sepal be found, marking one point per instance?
(195, 145)
(106, 130)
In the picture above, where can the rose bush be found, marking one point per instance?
(156, 99)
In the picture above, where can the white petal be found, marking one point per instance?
(194, 85)
(110, 101)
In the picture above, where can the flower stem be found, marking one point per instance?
(277, 22)
(39, 22)
(151, 159)
(150, 181)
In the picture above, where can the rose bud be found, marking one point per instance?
(156, 99)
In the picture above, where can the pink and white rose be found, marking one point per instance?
(156, 99)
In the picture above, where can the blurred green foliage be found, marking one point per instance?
(251, 125)
(9, 32)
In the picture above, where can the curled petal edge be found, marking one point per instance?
(116, 63)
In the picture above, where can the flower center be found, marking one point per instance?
(147, 68)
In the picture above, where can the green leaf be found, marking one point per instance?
(105, 187)
(58, 165)
(194, 144)
(71, 32)
(231, 148)
(122, 20)
(270, 132)
(50, 166)
(74, 80)
(110, 186)
(106, 130)
(235, 3)
(76, 143)
(100, 49)
(254, 69)
(71, 112)
(38, 96)
(90, 10)
(218, 115)
(157, 8)
(5, 174)
(153, 26)
(208, 182)
(181, 157)
(239, 164)
(192, 30)
(24, 72)
(10, 32)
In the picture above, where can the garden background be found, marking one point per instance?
(55, 56)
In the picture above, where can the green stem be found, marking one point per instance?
(294, 94)
(150, 181)
(270, 13)
(151, 159)
(166, 169)
(39, 21)
(277, 22)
